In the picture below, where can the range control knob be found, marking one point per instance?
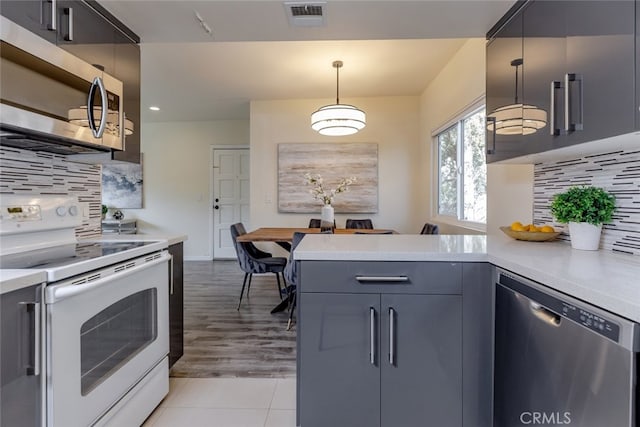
(61, 211)
(73, 210)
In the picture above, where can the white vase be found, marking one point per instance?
(327, 218)
(585, 236)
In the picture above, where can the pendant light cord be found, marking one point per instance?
(516, 63)
(337, 85)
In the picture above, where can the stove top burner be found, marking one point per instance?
(60, 256)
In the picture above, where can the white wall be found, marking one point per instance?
(392, 123)
(177, 180)
(457, 86)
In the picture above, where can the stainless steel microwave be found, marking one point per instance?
(50, 100)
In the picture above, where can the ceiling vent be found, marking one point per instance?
(306, 14)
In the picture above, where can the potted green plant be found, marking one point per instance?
(105, 209)
(585, 208)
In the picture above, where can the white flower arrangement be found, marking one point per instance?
(319, 193)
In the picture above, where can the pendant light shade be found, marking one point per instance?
(338, 119)
(517, 118)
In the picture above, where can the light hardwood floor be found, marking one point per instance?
(222, 342)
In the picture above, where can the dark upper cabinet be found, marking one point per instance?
(578, 70)
(637, 107)
(38, 16)
(91, 33)
(501, 88)
(544, 51)
(601, 55)
(88, 31)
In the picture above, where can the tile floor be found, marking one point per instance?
(227, 402)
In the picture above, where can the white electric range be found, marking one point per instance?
(100, 334)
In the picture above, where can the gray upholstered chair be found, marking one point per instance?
(291, 275)
(254, 261)
(430, 229)
(359, 223)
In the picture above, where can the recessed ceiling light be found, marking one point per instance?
(154, 108)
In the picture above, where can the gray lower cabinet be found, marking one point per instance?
(421, 369)
(339, 384)
(176, 304)
(384, 351)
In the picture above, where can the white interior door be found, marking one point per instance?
(230, 197)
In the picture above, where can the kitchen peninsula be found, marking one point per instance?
(385, 318)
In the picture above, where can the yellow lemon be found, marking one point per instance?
(547, 229)
(517, 226)
(533, 228)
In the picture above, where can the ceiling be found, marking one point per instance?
(252, 52)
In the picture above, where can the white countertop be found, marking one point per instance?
(391, 247)
(602, 278)
(11, 280)
(172, 239)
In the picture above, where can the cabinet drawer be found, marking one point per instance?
(381, 277)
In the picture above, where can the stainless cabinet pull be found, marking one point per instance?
(492, 150)
(392, 336)
(52, 25)
(372, 335)
(569, 124)
(34, 353)
(171, 274)
(377, 279)
(552, 108)
(69, 12)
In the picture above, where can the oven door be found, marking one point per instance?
(105, 331)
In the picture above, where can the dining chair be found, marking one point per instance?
(292, 275)
(430, 229)
(317, 223)
(255, 261)
(359, 223)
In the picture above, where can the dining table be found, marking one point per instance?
(284, 235)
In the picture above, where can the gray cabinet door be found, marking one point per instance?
(421, 363)
(339, 385)
(20, 388)
(501, 87)
(544, 52)
(600, 52)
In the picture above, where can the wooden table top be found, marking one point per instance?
(277, 234)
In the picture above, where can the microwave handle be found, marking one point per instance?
(97, 82)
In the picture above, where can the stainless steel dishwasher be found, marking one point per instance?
(561, 361)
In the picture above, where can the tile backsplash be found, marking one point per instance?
(617, 172)
(29, 172)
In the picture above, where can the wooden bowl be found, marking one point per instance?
(530, 236)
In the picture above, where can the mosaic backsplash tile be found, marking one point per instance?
(617, 172)
(29, 172)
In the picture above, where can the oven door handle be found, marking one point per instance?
(54, 294)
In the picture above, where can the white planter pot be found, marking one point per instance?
(585, 236)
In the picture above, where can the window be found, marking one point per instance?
(462, 171)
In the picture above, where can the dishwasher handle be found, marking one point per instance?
(544, 314)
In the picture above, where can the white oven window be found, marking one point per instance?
(115, 335)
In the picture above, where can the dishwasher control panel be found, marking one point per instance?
(591, 321)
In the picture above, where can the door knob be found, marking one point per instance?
(216, 207)
(217, 200)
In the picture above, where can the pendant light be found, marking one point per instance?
(517, 118)
(338, 119)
